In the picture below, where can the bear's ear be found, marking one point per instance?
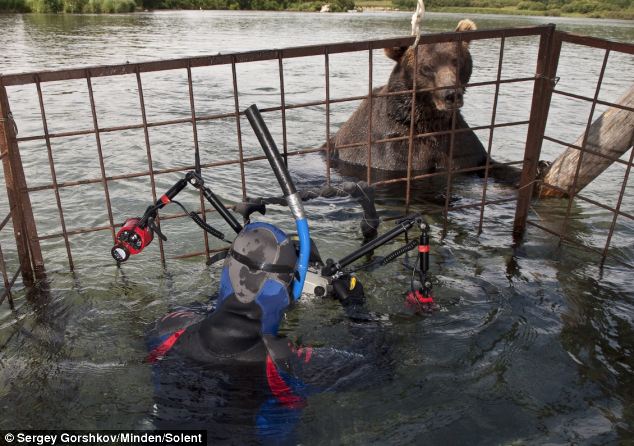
(395, 53)
(466, 25)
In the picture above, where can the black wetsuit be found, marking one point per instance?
(216, 371)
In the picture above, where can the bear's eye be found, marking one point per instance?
(427, 71)
(454, 62)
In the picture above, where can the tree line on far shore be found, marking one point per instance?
(118, 6)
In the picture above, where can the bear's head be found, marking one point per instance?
(444, 67)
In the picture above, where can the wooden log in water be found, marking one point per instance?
(611, 135)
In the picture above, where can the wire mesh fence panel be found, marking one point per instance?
(98, 143)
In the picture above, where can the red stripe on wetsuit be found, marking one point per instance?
(160, 351)
(281, 391)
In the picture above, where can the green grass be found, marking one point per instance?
(68, 6)
(13, 6)
(375, 4)
(616, 9)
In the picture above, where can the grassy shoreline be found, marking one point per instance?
(608, 9)
(614, 9)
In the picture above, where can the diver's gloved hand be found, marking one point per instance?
(349, 291)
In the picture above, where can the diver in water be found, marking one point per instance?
(227, 371)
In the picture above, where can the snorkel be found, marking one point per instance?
(290, 193)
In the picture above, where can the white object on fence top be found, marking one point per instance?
(417, 20)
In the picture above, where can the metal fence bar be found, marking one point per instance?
(452, 143)
(496, 95)
(594, 100)
(79, 231)
(280, 62)
(412, 130)
(264, 55)
(547, 59)
(236, 103)
(370, 69)
(51, 164)
(4, 222)
(428, 134)
(24, 230)
(591, 201)
(604, 206)
(595, 42)
(259, 157)
(440, 173)
(572, 242)
(423, 176)
(7, 291)
(192, 107)
(148, 150)
(328, 142)
(5, 279)
(100, 153)
(619, 201)
(263, 110)
(590, 151)
(199, 253)
(573, 190)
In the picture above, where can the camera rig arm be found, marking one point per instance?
(335, 268)
(137, 233)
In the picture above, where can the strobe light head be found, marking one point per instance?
(120, 253)
(132, 238)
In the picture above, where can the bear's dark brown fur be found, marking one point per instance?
(438, 67)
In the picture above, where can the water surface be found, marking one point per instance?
(532, 344)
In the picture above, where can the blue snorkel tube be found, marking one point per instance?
(290, 193)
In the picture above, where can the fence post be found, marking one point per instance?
(27, 242)
(547, 60)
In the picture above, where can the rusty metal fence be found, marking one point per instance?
(29, 252)
(541, 106)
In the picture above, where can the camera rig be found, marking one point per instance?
(315, 277)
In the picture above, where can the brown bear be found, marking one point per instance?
(445, 67)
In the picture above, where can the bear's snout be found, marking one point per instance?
(448, 96)
(453, 98)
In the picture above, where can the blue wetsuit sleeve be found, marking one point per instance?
(278, 416)
(275, 422)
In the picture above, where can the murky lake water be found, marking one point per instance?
(532, 345)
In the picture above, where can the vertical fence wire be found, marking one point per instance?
(573, 191)
(491, 131)
(546, 69)
(192, 106)
(328, 144)
(100, 153)
(148, 150)
(369, 172)
(24, 227)
(5, 280)
(283, 107)
(51, 164)
(412, 131)
(12, 187)
(452, 141)
(236, 103)
(3, 269)
(620, 200)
